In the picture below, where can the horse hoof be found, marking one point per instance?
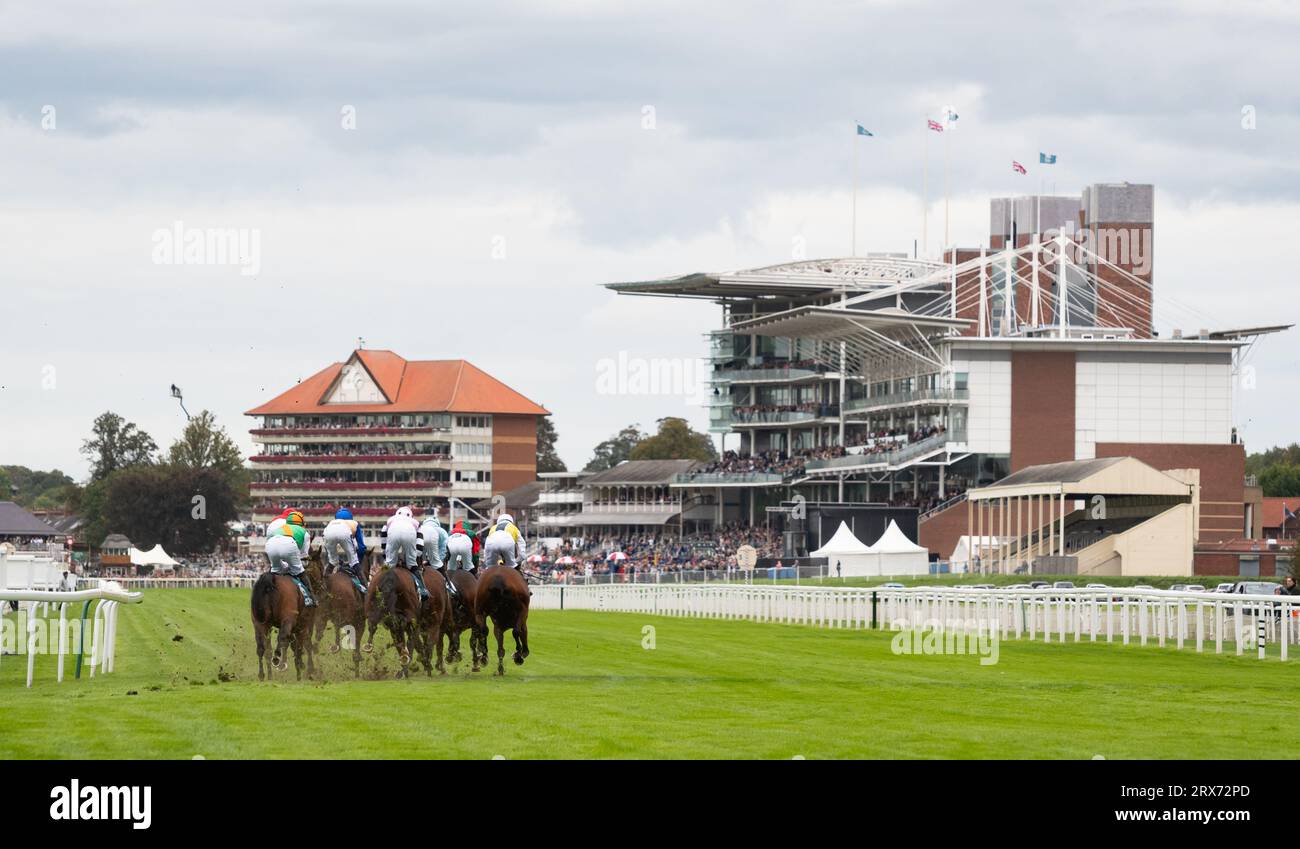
(334, 649)
(368, 648)
(519, 661)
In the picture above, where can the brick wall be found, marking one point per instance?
(1042, 408)
(514, 451)
(1223, 486)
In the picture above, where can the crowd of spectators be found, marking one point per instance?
(361, 449)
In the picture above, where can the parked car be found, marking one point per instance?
(1143, 587)
(1195, 588)
(1255, 588)
(891, 585)
(982, 586)
(1225, 587)
(1178, 588)
(1038, 585)
(1063, 585)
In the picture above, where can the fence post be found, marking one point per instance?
(874, 601)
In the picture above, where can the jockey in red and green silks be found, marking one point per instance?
(286, 549)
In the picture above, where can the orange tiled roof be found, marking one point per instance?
(411, 386)
(1272, 513)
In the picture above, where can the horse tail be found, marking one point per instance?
(263, 591)
(389, 590)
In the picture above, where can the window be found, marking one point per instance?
(473, 421)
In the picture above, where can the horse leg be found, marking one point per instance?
(260, 633)
(437, 642)
(501, 648)
(521, 642)
(358, 628)
(283, 632)
(398, 630)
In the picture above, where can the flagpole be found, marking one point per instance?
(925, 194)
(947, 162)
(855, 190)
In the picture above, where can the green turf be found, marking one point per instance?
(709, 689)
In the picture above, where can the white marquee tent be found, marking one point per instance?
(898, 555)
(961, 553)
(153, 557)
(854, 556)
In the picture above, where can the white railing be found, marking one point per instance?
(103, 645)
(1114, 614)
(238, 581)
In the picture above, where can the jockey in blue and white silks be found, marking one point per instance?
(433, 546)
(345, 544)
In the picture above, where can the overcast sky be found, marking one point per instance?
(500, 169)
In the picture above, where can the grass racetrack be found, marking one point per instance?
(708, 689)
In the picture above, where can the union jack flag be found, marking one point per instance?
(1018, 168)
(934, 125)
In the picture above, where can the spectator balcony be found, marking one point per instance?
(906, 399)
(326, 435)
(727, 478)
(749, 417)
(298, 489)
(299, 461)
(891, 458)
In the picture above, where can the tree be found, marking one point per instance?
(33, 488)
(117, 444)
(615, 450)
(675, 441)
(205, 445)
(547, 459)
(183, 509)
(1280, 481)
(6, 488)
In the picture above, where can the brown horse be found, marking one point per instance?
(394, 600)
(344, 605)
(462, 616)
(503, 595)
(278, 603)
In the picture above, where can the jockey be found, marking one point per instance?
(400, 539)
(278, 522)
(286, 550)
(433, 543)
(502, 543)
(460, 549)
(345, 544)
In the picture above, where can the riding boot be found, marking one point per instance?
(356, 580)
(307, 600)
(419, 583)
(446, 579)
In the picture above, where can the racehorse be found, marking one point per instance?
(503, 595)
(462, 616)
(278, 603)
(344, 605)
(393, 599)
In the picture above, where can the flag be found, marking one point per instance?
(934, 125)
(952, 116)
(1018, 168)
(1288, 512)
(863, 131)
(1047, 159)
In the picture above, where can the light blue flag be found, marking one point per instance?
(1047, 159)
(863, 131)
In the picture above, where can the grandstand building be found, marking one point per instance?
(378, 431)
(907, 381)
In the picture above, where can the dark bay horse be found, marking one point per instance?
(278, 603)
(416, 624)
(344, 605)
(503, 595)
(462, 616)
